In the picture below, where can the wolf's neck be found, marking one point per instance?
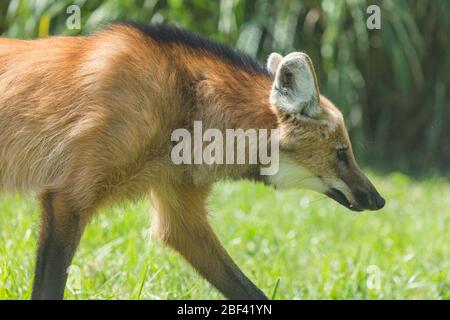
(234, 98)
(229, 98)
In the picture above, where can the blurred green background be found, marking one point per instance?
(392, 84)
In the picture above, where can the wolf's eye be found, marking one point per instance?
(342, 155)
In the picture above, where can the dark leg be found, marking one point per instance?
(61, 229)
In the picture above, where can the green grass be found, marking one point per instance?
(292, 244)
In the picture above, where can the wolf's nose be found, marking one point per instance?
(379, 202)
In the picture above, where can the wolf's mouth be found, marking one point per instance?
(339, 197)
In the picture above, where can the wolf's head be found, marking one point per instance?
(315, 149)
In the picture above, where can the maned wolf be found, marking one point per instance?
(87, 121)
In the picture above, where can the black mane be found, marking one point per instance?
(164, 33)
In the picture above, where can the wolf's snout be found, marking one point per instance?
(379, 202)
(359, 199)
(369, 200)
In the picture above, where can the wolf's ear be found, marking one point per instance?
(273, 62)
(295, 90)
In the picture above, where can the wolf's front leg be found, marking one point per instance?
(181, 222)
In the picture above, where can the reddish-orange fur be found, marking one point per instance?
(86, 121)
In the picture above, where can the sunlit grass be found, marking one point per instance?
(311, 245)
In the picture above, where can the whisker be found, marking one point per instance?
(318, 199)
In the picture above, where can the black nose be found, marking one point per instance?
(379, 202)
